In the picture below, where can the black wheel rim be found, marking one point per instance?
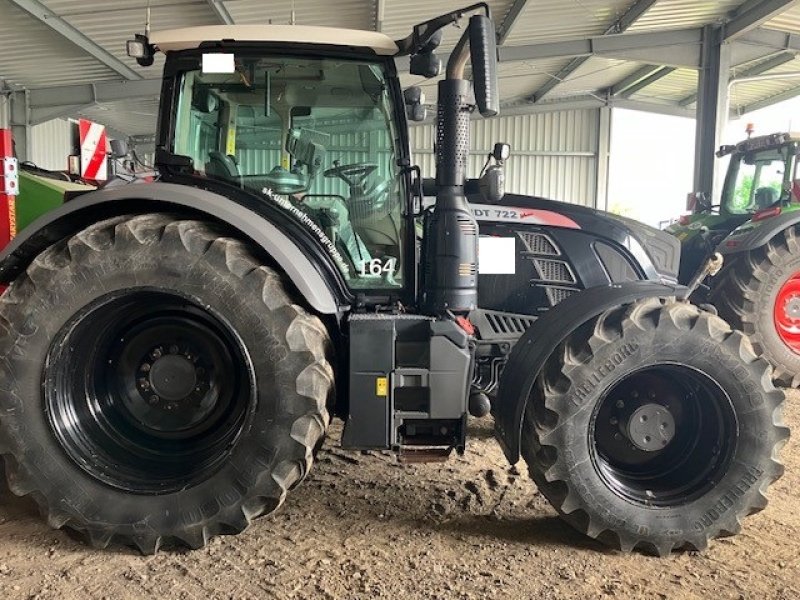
(147, 391)
(663, 435)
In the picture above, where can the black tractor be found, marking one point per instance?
(172, 352)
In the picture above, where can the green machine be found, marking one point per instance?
(40, 192)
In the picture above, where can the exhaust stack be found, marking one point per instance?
(451, 260)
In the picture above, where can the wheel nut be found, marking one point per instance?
(620, 404)
(154, 399)
(613, 420)
(634, 394)
(144, 384)
(156, 353)
(145, 368)
(173, 349)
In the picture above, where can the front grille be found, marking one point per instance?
(556, 271)
(556, 295)
(505, 323)
(538, 243)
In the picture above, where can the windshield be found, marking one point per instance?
(315, 137)
(757, 180)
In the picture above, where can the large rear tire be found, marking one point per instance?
(654, 426)
(157, 384)
(758, 292)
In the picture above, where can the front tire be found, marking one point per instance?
(654, 426)
(758, 292)
(157, 384)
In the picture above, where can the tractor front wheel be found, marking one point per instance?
(654, 426)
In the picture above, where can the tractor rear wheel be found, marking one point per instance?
(157, 384)
(758, 292)
(655, 427)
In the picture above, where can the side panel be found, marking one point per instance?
(74, 215)
(543, 337)
(753, 235)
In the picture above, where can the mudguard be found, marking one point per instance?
(754, 234)
(543, 337)
(71, 217)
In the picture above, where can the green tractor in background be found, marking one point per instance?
(755, 229)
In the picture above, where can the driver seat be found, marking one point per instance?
(223, 166)
(765, 197)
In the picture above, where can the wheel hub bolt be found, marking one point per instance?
(651, 427)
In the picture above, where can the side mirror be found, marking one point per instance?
(417, 112)
(483, 49)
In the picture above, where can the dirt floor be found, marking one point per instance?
(364, 526)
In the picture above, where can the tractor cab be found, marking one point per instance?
(310, 129)
(762, 174)
(761, 181)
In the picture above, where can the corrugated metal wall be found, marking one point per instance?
(553, 154)
(49, 144)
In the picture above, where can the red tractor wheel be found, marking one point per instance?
(758, 292)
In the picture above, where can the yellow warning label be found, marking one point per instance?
(12, 216)
(230, 147)
(382, 387)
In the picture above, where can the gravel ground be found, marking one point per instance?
(364, 526)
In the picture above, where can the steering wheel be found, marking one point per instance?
(354, 175)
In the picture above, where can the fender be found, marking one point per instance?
(540, 340)
(308, 275)
(754, 234)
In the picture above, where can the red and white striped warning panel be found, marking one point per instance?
(94, 151)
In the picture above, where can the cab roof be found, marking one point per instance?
(191, 37)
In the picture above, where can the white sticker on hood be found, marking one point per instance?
(497, 255)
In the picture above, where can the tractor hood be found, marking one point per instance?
(656, 252)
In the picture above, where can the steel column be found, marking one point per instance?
(603, 157)
(712, 108)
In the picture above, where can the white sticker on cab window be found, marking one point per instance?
(497, 255)
(219, 63)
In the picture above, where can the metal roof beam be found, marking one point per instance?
(751, 15)
(767, 65)
(508, 21)
(768, 38)
(660, 73)
(765, 102)
(635, 77)
(678, 48)
(40, 12)
(628, 18)
(219, 8)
